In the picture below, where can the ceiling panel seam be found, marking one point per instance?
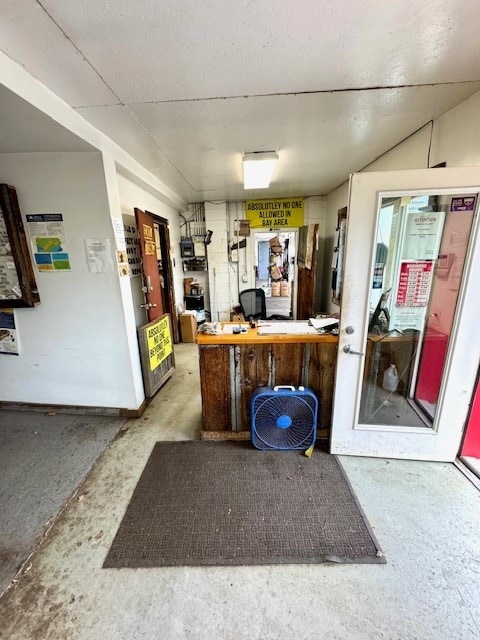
(140, 124)
(120, 102)
(79, 51)
(305, 93)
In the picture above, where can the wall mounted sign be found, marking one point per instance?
(17, 280)
(48, 241)
(156, 353)
(159, 342)
(276, 213)
(131, 242)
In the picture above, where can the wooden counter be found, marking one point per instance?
(233, 366)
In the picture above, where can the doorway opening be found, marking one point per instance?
(275, 270)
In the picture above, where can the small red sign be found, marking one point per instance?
(414, 283)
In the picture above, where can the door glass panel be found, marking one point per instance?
(420, 250)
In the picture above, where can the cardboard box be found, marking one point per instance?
(188, 327)
(187, 285)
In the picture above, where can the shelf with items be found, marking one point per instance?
(194, 264)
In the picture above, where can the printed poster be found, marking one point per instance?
(8, 332)
(48, 241)
(414, 284)
(159, 342)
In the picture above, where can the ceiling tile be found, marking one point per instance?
(30, 38)
(150, 51)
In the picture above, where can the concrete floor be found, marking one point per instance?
(426, 517)
(47, 455)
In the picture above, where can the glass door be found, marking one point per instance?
(411, 289)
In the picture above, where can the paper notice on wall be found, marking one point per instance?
(117, 224)
(8, 332)
(99, 257)
(48, 241)
(423, 233)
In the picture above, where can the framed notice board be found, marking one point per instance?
(17, 279)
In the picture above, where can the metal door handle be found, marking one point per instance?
(348, 349)
(148, 305)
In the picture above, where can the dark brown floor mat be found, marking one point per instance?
(225, 503)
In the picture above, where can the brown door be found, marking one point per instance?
(150, 272)
(307, 280)
(166, 272)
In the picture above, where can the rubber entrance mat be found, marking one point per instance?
(225, 503)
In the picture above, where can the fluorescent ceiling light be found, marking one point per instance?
(258, 168)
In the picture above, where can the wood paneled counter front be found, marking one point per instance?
(233, 366)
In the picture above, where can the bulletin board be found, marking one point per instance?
(17, 279)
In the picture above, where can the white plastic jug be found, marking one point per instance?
(390, 378)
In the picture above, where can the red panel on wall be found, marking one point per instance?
(430, 369)
(471, 444)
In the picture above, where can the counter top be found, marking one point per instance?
(251, 336)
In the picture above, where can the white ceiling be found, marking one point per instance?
(186, 86)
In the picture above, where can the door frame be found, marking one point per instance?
(272, 231)
(348, 437)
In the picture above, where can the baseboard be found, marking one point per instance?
(70, 409)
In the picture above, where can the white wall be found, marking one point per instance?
(73, 346)
(457, 135)
(219, 284)
(455, 139)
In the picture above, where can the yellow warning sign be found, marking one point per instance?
(159, 342)
(282, 213)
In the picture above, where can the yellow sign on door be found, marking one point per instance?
(159, 342)
(281, 213)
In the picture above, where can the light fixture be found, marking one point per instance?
(258, 168)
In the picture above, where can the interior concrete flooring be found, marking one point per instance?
(43, 459)
(426, 517)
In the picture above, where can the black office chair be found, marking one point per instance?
(253, 304)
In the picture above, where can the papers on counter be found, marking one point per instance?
(323, 323)
(286, 328)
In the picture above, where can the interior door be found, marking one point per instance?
(408, 343)
(150, 272)
(309, 260)
(165, 270)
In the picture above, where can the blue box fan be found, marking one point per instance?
(283, 418)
